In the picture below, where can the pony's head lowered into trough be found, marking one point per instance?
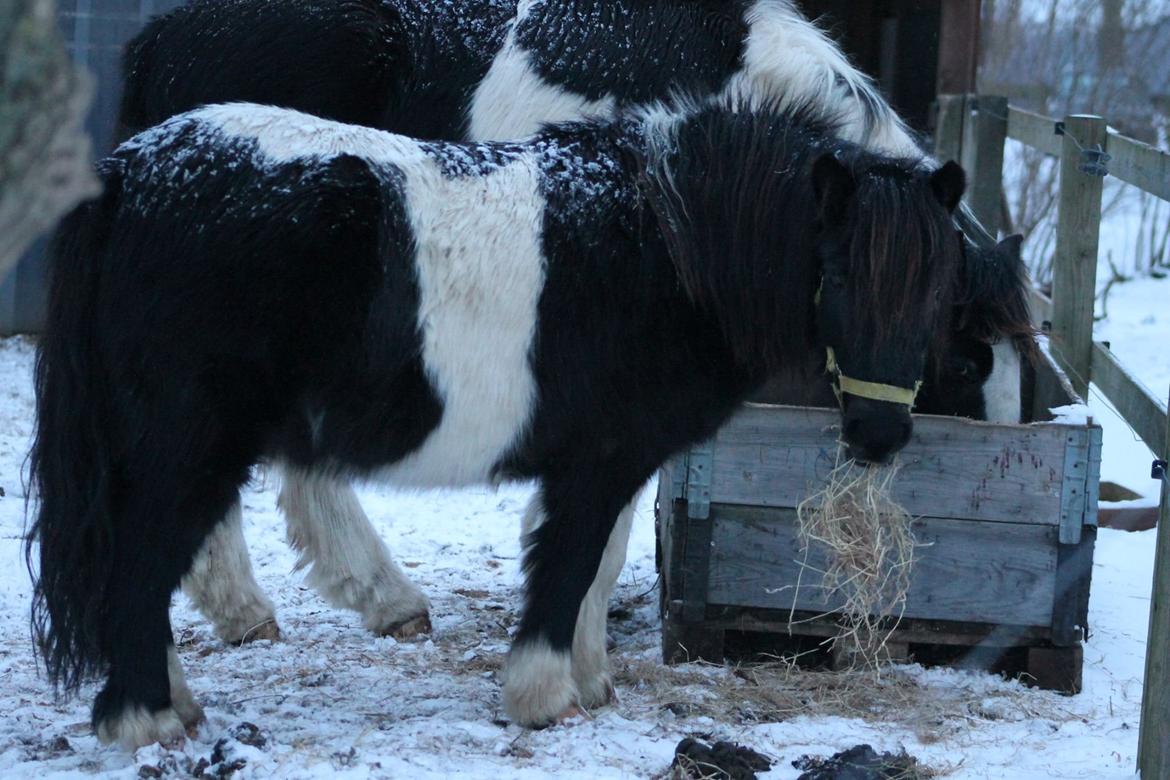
(870, 285)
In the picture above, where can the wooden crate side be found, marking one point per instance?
(969, 571)
(1074, 575)
(958, 469)
(909, 630)
(685, 544)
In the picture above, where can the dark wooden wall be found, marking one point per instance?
(916, 49)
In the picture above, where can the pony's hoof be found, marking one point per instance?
(136, 727)
(538, 686)
(571, 715)
(598, 692)
(268, 629)
(409, 628)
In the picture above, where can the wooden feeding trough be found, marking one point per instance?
(1006, 516)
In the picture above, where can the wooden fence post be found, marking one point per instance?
(1154, 741)
(983, 140)
(948, 131)
(1078, 233)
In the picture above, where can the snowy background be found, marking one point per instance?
(330, 700)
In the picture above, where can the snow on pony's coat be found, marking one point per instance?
(484, 69)
(318, 311)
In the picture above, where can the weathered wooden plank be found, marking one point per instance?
(1132, 399)
(1078, 230)
(968, 571)
(912, 630)
(1034, 130)
(1139, 164)
(775, 456)
(983, 158)
(1154, 739)
(948, 132)
(958, 46)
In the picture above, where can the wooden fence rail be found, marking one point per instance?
(973, 129)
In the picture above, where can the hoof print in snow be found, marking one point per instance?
(862, 763)
(721, 761)
(38, 750)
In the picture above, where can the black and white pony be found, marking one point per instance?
(499, 69)
(256, 283)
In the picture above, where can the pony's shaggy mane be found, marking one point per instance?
(904, 233)
(728, 249)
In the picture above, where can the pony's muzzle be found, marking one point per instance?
(874, 431)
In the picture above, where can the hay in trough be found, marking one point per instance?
(868, 548)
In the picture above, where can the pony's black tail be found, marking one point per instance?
(70, 464)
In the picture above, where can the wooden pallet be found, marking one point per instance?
(1007, 514)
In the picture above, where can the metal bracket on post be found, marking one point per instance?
(1159, 470)
(698, 488)
(1074, 491)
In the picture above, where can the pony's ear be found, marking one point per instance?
(947, 184)
(1011, 245)
(995, 298)
(834, 186)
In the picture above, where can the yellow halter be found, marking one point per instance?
(872, 390)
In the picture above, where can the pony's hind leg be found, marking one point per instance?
(349, 564)
(223, 588)
(163, 520)
(590, 660)
(145, 698)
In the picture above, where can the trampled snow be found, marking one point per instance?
(332, 700)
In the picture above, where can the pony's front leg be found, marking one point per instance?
(222, 587)
(350, 565)
(590, 659)
(562, 563)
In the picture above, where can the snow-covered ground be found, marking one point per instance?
(333, 701)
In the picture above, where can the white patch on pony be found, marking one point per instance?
(222, 587)
(282, 134)
(136, 727)
(1001, 391)
(350, 565)
(789, 60)
(538, 684)
(480, 274)
(182, 700)
(513, 100)
(590, 660)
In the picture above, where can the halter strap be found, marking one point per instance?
(872, 390)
